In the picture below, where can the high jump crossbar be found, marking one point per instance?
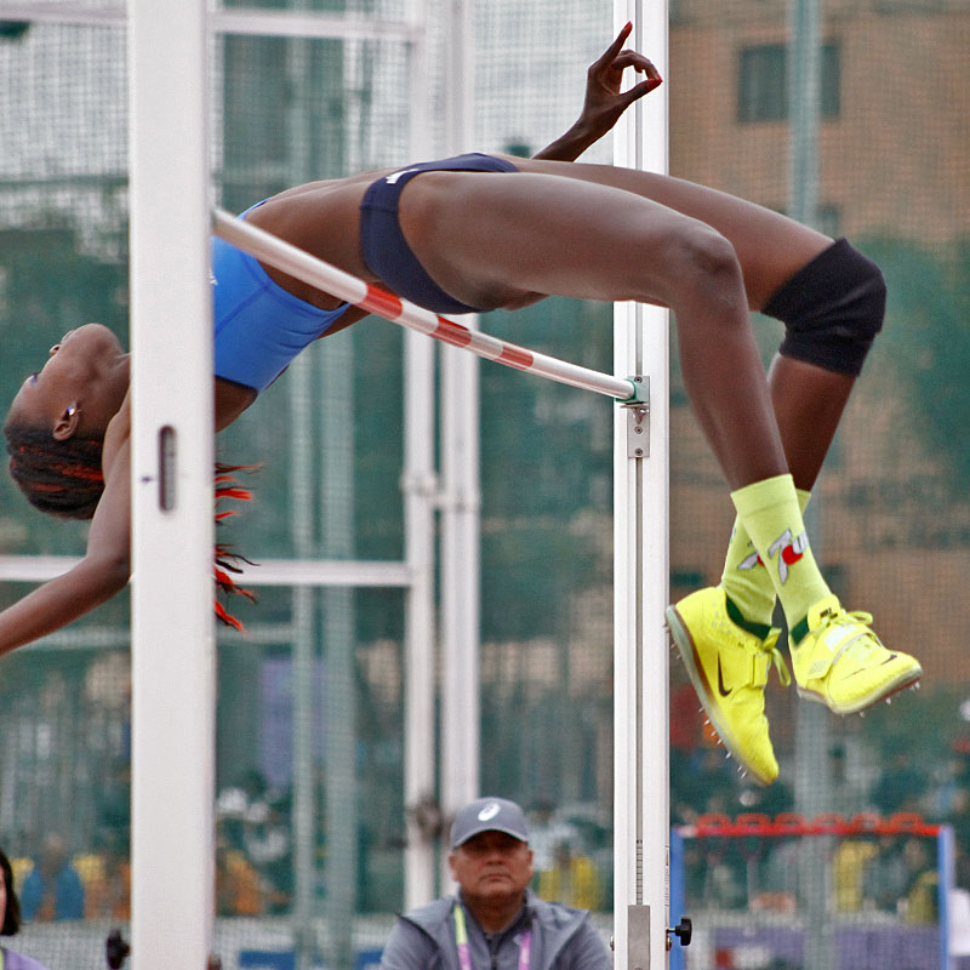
(300, 264)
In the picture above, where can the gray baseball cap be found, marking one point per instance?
(489, 815)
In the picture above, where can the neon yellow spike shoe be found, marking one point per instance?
(727, 660)
(841, 663)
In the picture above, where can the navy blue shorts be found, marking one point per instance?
(382, 244)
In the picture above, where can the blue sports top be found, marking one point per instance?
(259, 327)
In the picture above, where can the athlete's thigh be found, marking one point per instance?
(490, 238)
(771, 247)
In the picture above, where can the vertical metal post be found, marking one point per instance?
(337, 622)
(173, 654)
(420, 487)
(303, 529)
(460, 573)
(305, 682)
(804, 105)
(812, 723)
(641, 557)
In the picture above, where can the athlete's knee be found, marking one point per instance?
(705, 263)
(832, 309)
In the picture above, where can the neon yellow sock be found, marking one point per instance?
(745, 579)
(770, 514)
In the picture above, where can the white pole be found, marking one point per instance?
(420, 495)
(812, 785)
(460, 502)
(173, 658)
(641, 564)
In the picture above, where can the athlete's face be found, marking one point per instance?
(84, 378)
(492, 866)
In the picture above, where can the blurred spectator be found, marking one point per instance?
(572, 879)
(845, 794)
(948, 797)
(902, 879)
(114, 809)
(10, 920)
(53, 890)
(238, 891)
(901, 785)
(239, 888)
(266, 838)
(706, 784)
(781, 869)
(106, 876)
(852, 858)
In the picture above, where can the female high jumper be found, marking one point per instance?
(481, 232)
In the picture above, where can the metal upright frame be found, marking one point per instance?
(173, 643)
(641, 566)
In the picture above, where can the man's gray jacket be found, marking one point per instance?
(562, 939)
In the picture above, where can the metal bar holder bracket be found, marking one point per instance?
(638, 420)
(638, 937)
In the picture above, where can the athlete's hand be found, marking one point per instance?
(605, 102)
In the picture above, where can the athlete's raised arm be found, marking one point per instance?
(102, 572)
(604, 102)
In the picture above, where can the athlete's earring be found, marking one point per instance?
(67, 425)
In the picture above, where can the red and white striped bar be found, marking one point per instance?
(270, 249)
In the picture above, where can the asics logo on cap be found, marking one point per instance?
(489, 812)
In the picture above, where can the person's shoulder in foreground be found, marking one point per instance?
(17, 961)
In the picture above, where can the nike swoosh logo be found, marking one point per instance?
(862, 670)
(722, 690)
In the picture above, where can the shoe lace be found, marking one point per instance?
(866, 640)
(774, 655)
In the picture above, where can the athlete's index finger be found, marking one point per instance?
(614, 48)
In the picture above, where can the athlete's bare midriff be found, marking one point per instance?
(323, 219)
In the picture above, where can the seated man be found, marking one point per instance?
(493, 922)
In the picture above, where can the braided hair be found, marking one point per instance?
(227, 560)
(61, 478)
(64, 478)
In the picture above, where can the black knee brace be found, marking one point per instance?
(832, 309)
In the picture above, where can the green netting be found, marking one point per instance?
(890, 521)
